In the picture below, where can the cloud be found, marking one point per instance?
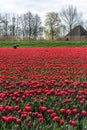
(41, 7)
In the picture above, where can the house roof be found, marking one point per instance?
(77, 31)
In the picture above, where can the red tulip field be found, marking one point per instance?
(43, 89)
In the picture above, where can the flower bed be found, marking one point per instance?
(42, 89)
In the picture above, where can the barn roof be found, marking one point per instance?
(77, 31)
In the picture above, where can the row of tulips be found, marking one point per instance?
(42, 89)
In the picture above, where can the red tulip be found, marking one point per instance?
(73, 123)
(9, 108)
(29, 124)
(41, 120)
(62, 111)
(84, 113)
(82, 102)
(41, 108)
(18, 121)
(16, 108)
(28, 109)
(53, 114)
(56, 119)
(62, 122)
(50, 111)
(1, 108)
(68, 111)
(67, 101)
(75, 111)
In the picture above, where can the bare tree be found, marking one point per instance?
(71, 17)
(27, 21)
(30, 25)
(1, 26)
(23, 26)
(13, 25)
(36, 26)
(5, 21)
(16, 26)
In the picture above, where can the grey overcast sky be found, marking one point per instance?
(41, 7)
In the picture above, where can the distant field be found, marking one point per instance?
(29, 44)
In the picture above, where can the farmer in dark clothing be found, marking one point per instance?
(15, 46)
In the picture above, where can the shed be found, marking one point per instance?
(77, 33)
